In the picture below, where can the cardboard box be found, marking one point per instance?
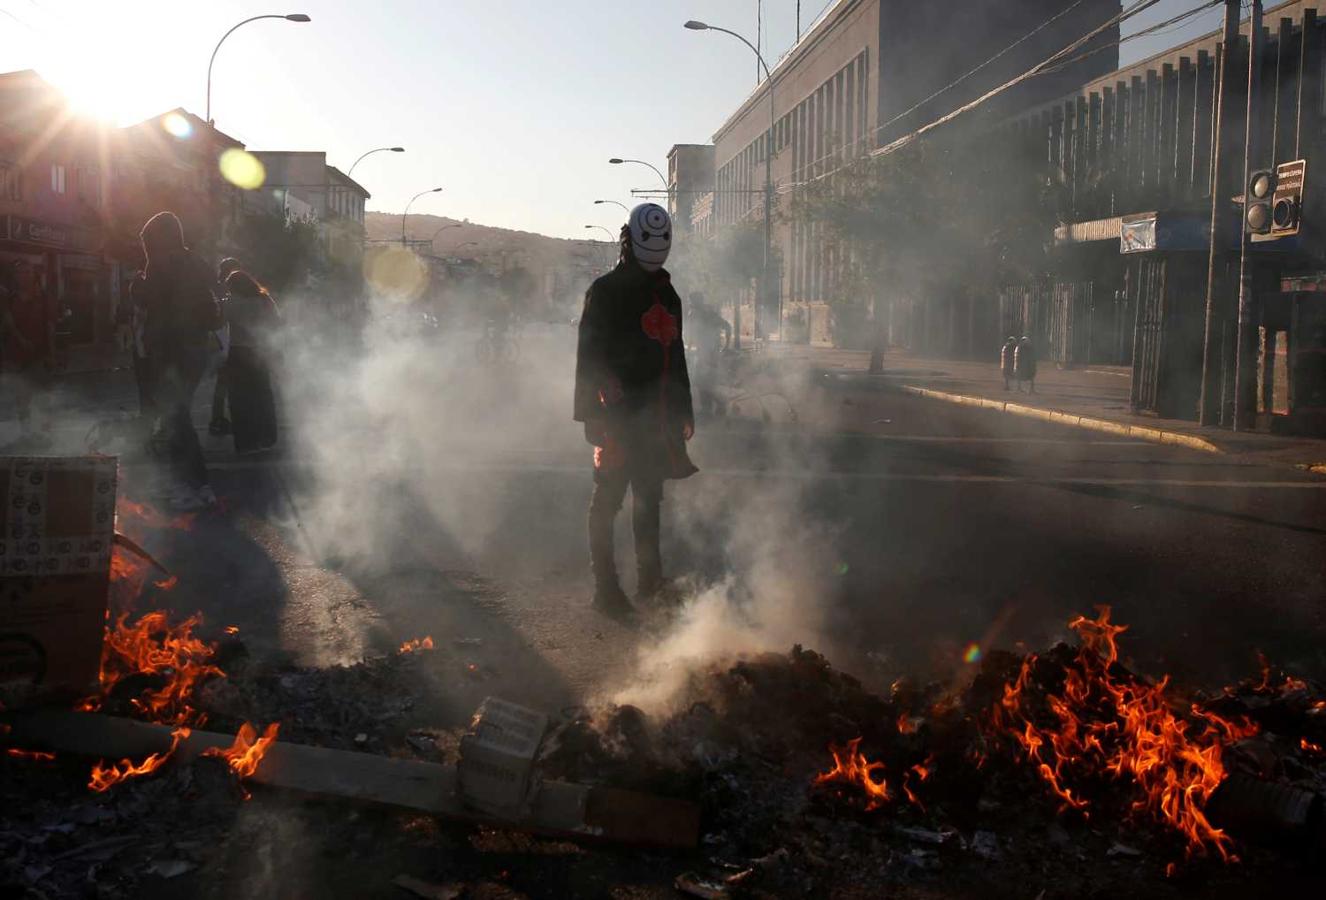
(56, 536)
(497, 757)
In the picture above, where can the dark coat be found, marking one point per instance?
(631, 374)
(177, 300)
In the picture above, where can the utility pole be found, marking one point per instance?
(1213, 339)
(1245, 378)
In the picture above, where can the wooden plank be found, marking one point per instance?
(1309, 81)
(1203, 125)
(558, 808)
(1107, 151)
(1185, 109)
(1166, 134)
(1286, 94)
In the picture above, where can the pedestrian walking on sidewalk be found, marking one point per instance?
(1024, 364)
(633, 394)
(1006, 355)
(253, 319)
(219, 423)
(29, 325)
(180, 314)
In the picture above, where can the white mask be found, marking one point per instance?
(651, 235)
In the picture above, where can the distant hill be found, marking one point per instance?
(535, 251)
(561, 268)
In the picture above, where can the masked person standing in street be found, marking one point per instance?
(633, 394)
(179, 314)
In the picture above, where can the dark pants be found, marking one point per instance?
(252, 405)
(175, 389)
(219, 394)
(646, 499)
(147, 404)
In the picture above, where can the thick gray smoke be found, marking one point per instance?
(414, 432)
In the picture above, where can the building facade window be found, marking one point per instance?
(58, 185)
(11, 181)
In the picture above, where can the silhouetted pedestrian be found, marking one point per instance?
(219, 423)
(1006, 355)
(710, 334)
(180, 313)
(1024, 364)
(633, 394)
(253, 318)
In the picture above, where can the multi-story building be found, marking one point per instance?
(53, 202)
(866, 72)
(170, 162)
(302, 185)
(1132, 154)
(690, 177)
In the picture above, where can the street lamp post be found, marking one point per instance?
(370, 153)
(444, 228)
(407, 209)
(768, 189)
(290, 17)
(617, 202)
(612, 238)
(640, 162)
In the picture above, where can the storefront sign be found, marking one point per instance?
(32, 231)
(1137, 234)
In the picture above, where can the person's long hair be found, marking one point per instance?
(241, 284)
(162, 238)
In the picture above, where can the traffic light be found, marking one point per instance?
(1277, 211)
(1258, 199)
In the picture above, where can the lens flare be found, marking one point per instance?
(395, 273)
(175, 124)
(242, 169)
(972, 654)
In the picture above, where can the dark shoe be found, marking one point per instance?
(219, 427)
(611, 601)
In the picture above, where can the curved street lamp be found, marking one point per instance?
(290, 17)
(640, 162)
(370, 153)
(693, 25)
(407, 209)
(617, 202)
(444, 228)
(612, 237)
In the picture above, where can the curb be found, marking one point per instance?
(1122, 429)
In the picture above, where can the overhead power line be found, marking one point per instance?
(1035, 70)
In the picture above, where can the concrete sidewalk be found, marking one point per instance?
(1095, 398)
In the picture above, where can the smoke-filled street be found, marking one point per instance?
(508, 451)
(937, 528)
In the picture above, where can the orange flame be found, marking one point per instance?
(851, 767)
(908, 725)
(1107, 724)
(167, 584)
(1306, 745)
(154, 646)
(103, 778)
(247, 750)
(130, 513)
(35, 755)
(423, 643)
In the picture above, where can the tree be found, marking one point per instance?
(282, 253)
(943, 214)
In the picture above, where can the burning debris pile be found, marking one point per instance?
(1062, 762)
(1062, 769)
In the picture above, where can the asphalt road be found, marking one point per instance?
(889, 532)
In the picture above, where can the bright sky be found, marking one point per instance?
(512, 106)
